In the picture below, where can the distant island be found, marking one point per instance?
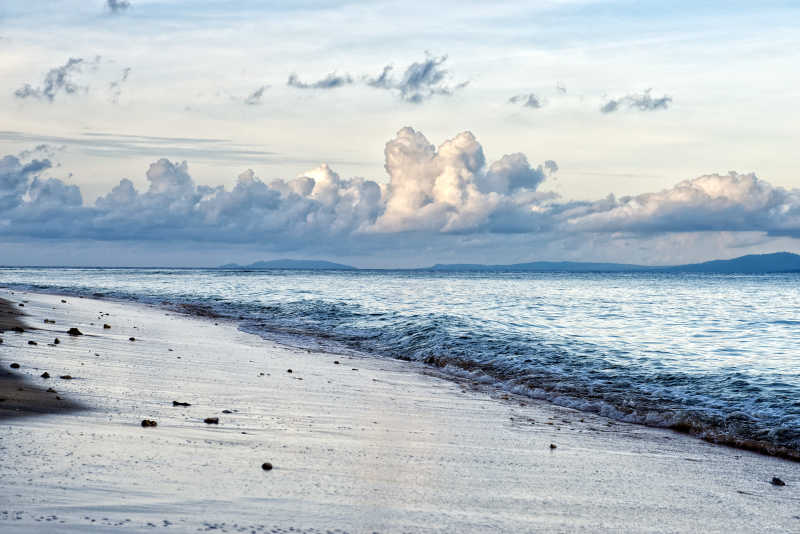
(292, 264)
(779, 262)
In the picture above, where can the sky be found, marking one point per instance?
(397, 133)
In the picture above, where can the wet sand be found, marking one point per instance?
(365, 445)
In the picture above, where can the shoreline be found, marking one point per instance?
(363, 444)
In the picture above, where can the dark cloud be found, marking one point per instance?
(255, 97)
(57, 80)
(118, 6)
(419, 82)
(642, 101)
(529, 100)
(331, 81)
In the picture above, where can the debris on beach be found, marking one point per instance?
(266, 466)
(336, 362)
(63, 301)
(49, 321)
(21, 305)
(131, 338)
(18, 329)
(178, 403)
(31, 342)
(777, 482)
(211, 420)
(45, 375)
(14, 366)
(106, 326)
(56, 341)
(227, 411)
(148, 422)
(66, 377)
(51, 390)
(74, 332)
(288, 370)
(553, 446)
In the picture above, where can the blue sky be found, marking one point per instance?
(691, 91)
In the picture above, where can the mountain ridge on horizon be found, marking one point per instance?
(775, 262)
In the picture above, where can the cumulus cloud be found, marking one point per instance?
(420, 81)
(642, 101)
(57, 80)
(529, 100)
(331, 81)
(254, 98)
(440, 194)
(118, 6)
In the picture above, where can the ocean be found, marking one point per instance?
(713, 355)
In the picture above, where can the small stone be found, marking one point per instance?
(211, 420)
(178, 403)
(49, 321)
(131, 339)
(336, 362)
(148, 422)
(288, 370)
(45, 375)
(58, 398)
(51, 390)
(266, 466)
(14, 366)
(226, 411)
(32, 342)
(56, 341)
(553, 446)
(106, 326)
(63, 301)
(18, 329)
(777, 482)
(21, 305)
(66, 377)
(1, 339)
(74, 332)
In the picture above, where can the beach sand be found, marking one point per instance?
(365, 445)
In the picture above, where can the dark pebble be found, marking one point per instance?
(32, 342)
(58, 398)
(179, 403)
(74, 332)
(21, 305)
(211, 420)
(49, 321)
(148, 422)
(51, 390)
(66, 377)
(226, 411)
(18, 329)
(266, 466)
(63, 301)
(131, 339)
(777, 482)
(336, 362)
(45, 375)
(553, 446)
(288, 370)
(15, 366)
(106, 326)
(56, 341)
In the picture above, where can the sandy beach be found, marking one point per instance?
(356, 444)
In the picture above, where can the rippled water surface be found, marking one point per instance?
(717, 355)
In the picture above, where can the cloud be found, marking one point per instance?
(642, 102)
(57, 80)
(419, 82)
(255, 97)
(447, 196)
(529, 100)
(331, 81)
(118, 6)
(115, 86)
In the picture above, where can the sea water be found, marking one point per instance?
(715, 355)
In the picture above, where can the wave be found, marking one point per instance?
(728, 408)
